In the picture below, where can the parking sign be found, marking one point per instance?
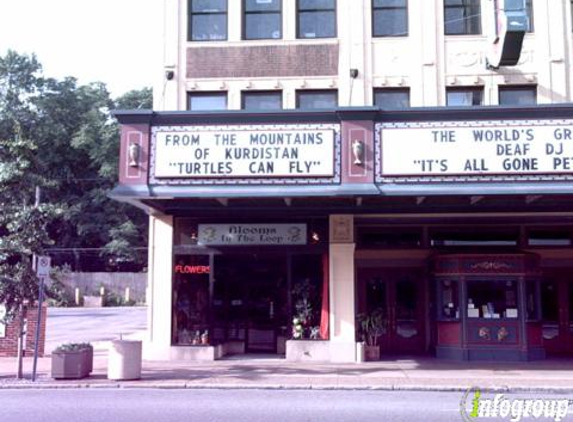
(43, 266)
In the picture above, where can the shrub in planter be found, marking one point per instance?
(72, 360)
(372, 326)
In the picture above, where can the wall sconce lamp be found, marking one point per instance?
(134, 152)
(353, 73)
(169, 74)
(358, 152)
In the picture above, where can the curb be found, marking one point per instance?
(182, 385)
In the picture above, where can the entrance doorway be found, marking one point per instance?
(250, 300)
(399, 296)
(557, 314)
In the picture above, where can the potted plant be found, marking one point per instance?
(72, 360)
(372, 326)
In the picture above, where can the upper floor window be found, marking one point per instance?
(262, 19)
(204, 101)
(518, 95)
(207, 20)
(313, 99)
(262, 100)
(316, 19)
(389, 18)
(462, 96)
(462, 17)
(529, 8)
(392, 98)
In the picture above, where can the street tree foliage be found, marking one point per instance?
(23, 224)
(60, 136)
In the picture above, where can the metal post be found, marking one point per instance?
(38, 327)
(40, 296)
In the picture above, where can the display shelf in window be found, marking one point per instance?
(448, 300)
(492, 299)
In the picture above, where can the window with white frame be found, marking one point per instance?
(316, 99)
(316, 18)
(207, 20)
(389, 18)
(462, 17)
(464, 96)
(206, 101)
(392, 98)
(518, 95)
(262, 100)
(262, 19)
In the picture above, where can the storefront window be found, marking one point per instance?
(492, 299)
(308, 297)
(191, 300)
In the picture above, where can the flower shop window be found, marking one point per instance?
(191, 300)
(309, 297)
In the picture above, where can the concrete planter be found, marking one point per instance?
(307, 350)
(89, 358)
(124, 360)
(71, 364)
(372, 352)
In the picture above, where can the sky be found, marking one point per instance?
(112, 41)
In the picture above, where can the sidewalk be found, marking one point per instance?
(420, 374)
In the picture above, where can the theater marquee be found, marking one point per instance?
(476, 148)
(244, 152)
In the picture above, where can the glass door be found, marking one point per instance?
(407, 318)
(556, 314)
(398, 296)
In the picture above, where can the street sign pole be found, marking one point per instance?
(42, 271)
(38, 327)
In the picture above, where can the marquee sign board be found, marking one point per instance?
(240, 152)
(476, 148)
(252, 234)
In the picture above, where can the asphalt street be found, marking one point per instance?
(143, 405)
(77, 325)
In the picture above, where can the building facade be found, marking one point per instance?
(319, 173)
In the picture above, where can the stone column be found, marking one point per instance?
(160, 288)
(342, 306)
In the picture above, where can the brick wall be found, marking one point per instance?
(262, 61)
(9, 343)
